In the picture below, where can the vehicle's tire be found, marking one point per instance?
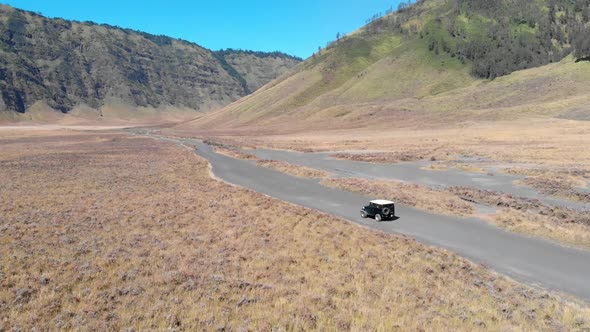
(386, 211)
(363, 214)
(377, 217)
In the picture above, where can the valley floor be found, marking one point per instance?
(102, 230)
(540, 141)
(550, 155)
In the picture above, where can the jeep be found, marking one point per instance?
(379, 209)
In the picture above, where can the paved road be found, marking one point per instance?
(412, 172)
(531, 260)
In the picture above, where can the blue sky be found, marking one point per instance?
(294, 27)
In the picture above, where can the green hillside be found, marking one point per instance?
(411, 59)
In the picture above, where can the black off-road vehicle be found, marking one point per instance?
(379, 209)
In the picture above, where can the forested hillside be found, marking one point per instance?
(496, 36)
(474, 58)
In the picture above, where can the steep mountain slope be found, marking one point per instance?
(258, 68)
(65, 64)
(433, 56)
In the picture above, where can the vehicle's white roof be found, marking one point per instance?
(382, 202)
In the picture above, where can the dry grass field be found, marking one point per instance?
(530, 216)
(576, 234)
(541, 141)
(384, 157)
(568, 183)
(102, 231)
(551, 153)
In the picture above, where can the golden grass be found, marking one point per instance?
(436, 167)
(530, 216)
(469, 168)
(294, 170)
(381, 157)
(118, 232)
(421, 197)
(573, 177)
(533, 223)
(568, 183)
(546, 142)
(234, 153)
(444, 166)
(222, 146)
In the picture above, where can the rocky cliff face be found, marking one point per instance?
(258, 68)
(65, 64)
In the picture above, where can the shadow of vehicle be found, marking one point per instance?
(390, 219)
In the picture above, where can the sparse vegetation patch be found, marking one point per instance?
(568, 183)
(234, 153)
(531, 216)
(381, 157)
(295, 170)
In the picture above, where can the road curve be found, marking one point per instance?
(531, 260)
(413, 172)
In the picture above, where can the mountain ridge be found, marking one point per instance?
(66, 64)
